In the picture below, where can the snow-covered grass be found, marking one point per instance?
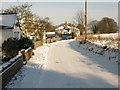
(99, 48)
(104, 44)
(113, 36)
(110, 36)
(109, 43)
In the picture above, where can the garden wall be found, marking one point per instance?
(10, 68)
(37, 44)
(52, 40)
(27, 53)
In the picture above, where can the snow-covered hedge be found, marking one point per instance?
(106, 51)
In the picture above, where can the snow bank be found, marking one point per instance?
(108, 43)
(97, 48)
(113, 35)
(40, 57)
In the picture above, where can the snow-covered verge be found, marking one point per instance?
(32, 69)
(108, 43)
(110, 40)
(111, 35)
(101, 47)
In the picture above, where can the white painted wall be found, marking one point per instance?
(16, 32)
(0, 38)
(8, 20)
(6, 33)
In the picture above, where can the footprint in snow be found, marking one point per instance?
(89, 64)
(83, 61)
(102, 70)
(100, 66)
(68, 84)
(57, 62)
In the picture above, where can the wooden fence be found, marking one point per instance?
(38, 43)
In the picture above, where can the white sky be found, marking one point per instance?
(59, 0)
(62, 11)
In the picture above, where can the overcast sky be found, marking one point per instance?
(59, 12)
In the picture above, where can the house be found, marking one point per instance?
(67, 29)
(64, 30)
(9, 26)
(50, 34)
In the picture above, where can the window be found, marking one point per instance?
(16, 35)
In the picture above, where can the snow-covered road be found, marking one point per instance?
(68, 66)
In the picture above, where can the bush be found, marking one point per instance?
(10, 47)
(25, 43)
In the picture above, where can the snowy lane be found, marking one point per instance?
(71, 67)
(66, 66)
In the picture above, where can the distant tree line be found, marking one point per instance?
(106, 25)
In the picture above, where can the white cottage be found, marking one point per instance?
(69, 30)
(9, 27)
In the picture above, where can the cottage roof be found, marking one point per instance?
(63, 27)
(7, 21)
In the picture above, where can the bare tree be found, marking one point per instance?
(93, 26)
(30, 23)
(107, 25)
(79, 20)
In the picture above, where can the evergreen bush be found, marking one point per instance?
(25, 43)
(10, 47)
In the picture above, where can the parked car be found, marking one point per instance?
(51, 37)
(64, 37)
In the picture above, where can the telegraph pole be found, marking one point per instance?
(85, 19)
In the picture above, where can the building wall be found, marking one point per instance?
(16, 32)
(6, 33)
(119, 15)
(0, 38)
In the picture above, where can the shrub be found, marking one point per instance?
(25, 43)
(10, 47)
